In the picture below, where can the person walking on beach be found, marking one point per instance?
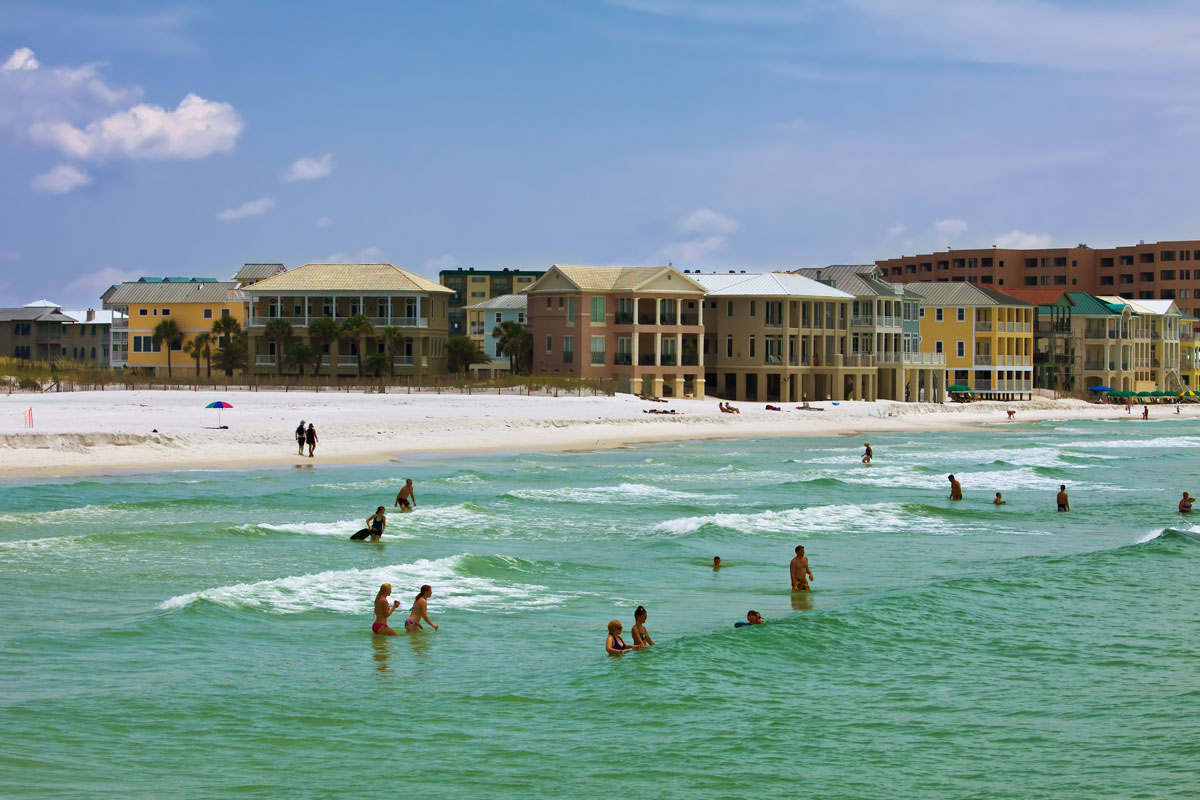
(1145, 412)
(420, 611)
(955, 489)
(1185, 504)
(868, 454)
(382, 611)
(640, 637)
(405, 499)
(300, 438)
(377, 522)
(1011, 415)
(614, 645)
(310, 438)
(1064, 503)
(800, 573)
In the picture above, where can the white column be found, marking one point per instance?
(306, 311)
(679, 349)
(657, 349)
(389, 317)
(633, 355)
(678, 311)
(700, 353)
(657, 313)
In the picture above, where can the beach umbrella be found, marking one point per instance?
(218, 405)
(1187, 393)
(959, 387)
(1161, 393)
(1100, 389)
(1145, 394)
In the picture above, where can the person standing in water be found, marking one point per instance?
(382, 611)
(716, 565)
(640, 637)
(377, 522)
(868, 454)
(420, 611)
(1185, 504)
(955, 489)
(800, 573)
(614, 645)
(1064, 503)
(310, 438)
(405, 499)
(300, 438)
(999, 501)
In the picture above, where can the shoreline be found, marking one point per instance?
(81, 433)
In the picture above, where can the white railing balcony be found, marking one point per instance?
(862, 322)
(120, 323)
(347, 361)
(890, 322)
(259, 322)
(931, 359)
(264, 361)
(983, 327)
(983, 360)
(402, 361)
(410, 322)
(888, 358)
(324, 361)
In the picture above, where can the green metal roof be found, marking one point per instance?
(1084, 303)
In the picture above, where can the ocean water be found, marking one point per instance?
(207, 633)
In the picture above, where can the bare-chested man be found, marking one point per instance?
(800, 572)
(955, 489)
(406, 499)
(1064, 502)
(382, 611)
(1185, 504)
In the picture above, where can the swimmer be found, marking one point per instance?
(955, 489)
(752, 618)
(868, 454)
(377, 522)
(420, 611)
(614, 645)
(406, 497)
(1064, 503)
(800, 573)
(640, 637)
(716, 565)
(999, 501)
(382, 611)
(1185, 504)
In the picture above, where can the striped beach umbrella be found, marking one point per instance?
(218, 405)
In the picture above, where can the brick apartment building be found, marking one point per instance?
(1144, 271)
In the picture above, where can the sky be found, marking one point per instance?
(149, 138)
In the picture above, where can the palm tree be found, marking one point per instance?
(168, 331)
(358, 328)
(200, 347)
(280, 332)
(516, 342)
(377, 363)
(461, 353)
(301, 354)
(225, 328)
(322, 333)
(393, 339)
(232, 355)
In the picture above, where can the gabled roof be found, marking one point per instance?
(961, 294)
(33, 314)
(138, 292)
(257, 272)
(766, 284)
(859, 280)
(1087, 304)
(42, 304)
(347, 278)
(504, 301)
(1148, 307)
(102, 317)
(612, 279)
(1037, 295)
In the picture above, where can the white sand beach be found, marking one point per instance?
(146, 430)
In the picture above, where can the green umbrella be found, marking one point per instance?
(1161, 393)
(1145, 394)
(1121, 393)
(959, 387)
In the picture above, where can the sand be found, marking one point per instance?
(79, 432)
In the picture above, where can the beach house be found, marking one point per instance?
(482, 320)
(472, 286)
(640, 327)
(34, 332)
(1155, 350)
(355, 319)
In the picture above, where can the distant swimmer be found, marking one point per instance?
(640, 637)
(420, 611)
(1185, 504)
(716, 565)
(752, 618)
(955, 489)
(614, 645)
(406, 499)
(800, 573)
(1064, 503)
(383, 611)
(868, 454)
(300, 438)
(999, 501)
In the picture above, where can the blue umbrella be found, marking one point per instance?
(1100, 389)
(219, 404)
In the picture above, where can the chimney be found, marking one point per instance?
(91, 315)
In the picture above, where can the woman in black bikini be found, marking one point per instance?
(641, 638)
(377, 522)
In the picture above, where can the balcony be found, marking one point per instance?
(347, 361)
(623, 359)
(666, 319)
(923, 359)
(862, 322)
(983, 327)
(985, 360)
(645, 359)
(1094, 334)
(1093, 365)
(667, 360)
(568, 356)
(598, 359)
(402, 361)
(264, 361)
(623, 318)
(689, 319)
(773, 361)
(120, 323)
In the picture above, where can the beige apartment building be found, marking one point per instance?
(638, 326)
(1152, 350)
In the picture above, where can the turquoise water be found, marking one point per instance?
(207, 633)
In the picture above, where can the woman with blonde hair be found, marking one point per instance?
(382, 611)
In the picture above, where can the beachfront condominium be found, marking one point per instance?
(775, 337)
(355, 318)
(140, 306)
(35, 332)
(1144, 271)
(885, 329)
(639, 327)
(985, 335)
(471, 286)
(483, 319)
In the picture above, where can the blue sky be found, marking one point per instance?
(152, 138)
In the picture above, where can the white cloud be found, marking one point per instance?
(310, 169)
(94, 284)
(22, 58)
(1019, 240)
(62, 179)
(896, 230)
(693, 250)
(950, 227)
(439, 263)
(322, 222)
(249, 209)
(370, 255)
(705, 220)
(708, 231)
(195, 129)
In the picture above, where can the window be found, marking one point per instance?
(1127, 277)
(1146, 277)
(943, 265)
(1031, 262)
(525, 279)
(959, 263)
(144, 344)
(1147, 258)
(571, 309)
(752, 304)
(1167, 294)
(910, 269)
(921, 313)
(1166, 275)
(598, 349)
(549, 345)
(597, 311)
(986, 262)
(751, 347)
(568, 349)
(142, 312)
(1185, 274)
(937, 314)
(354, 306)
(1060, 262)
(1125, 261)
(937, 347)
(208, 313)
(729, 347)
(1185, 255)
(972, 263)
(1060, 280)
(224, 313)
(1166, 255)
(1106, 280)
(1106, 262)
(962, 349)
(549, 302)
(560, 301)
(926, 266)
(1145, 295)
(962, 315)
(499, 317)
(986, 279)
(520, 317)
(1031, 280)
(729, 308)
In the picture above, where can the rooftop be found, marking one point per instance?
(509, 301)
(766, 284)
(33, 314)
(373, 278)
(616, 279)
(138, 292)
(859, 280)
(257, 272)
(961, 294)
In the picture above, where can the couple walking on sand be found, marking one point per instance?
(306, 436)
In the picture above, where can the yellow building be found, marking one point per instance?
(1189, 354)
(986, 336)
(139, 306)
